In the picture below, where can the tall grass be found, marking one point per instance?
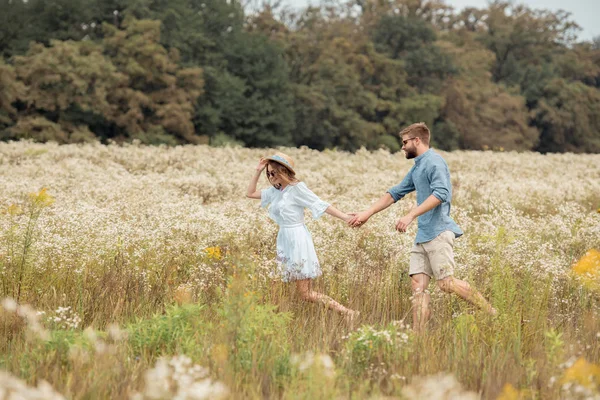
(156, 284)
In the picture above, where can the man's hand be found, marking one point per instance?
(404, 222)
(358, 219)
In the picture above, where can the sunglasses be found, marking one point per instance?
(271, 174)
(407, 140)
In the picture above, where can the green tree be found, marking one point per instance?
(522, 37)
(250, 101)
(568, 119)
(435, 12)
(535, 54)
(478, 113)
(412, 41)
(157, 105)
(200, 30)
(397, 35)
(10, 91)
(330, 69)
(68, 84)
(246, 96)
(580, 62)
(23, 22)
(127, 87)
(14, 19)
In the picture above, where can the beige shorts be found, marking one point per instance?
(434, 258)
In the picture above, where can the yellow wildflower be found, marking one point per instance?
(589, 265)
(214, 253)
(583, 373)
(41, 198)
(509, 393)
(14, 210)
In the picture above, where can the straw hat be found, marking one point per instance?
(283, 159)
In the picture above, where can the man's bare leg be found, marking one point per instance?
(420, 301)
(464, 290)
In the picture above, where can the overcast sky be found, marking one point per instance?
(586, 13)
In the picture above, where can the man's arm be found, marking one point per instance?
(384, 202)
(439, 182)
(429, 204)
(393, 195)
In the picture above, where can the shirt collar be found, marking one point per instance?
(423, 156)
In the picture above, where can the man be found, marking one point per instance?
(432, 254)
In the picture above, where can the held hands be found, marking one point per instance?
(346, 217)
(358, 219)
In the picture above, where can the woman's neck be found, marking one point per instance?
(283, 185)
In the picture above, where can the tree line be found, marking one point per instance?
(342, 75)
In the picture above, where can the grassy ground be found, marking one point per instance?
(144, 272)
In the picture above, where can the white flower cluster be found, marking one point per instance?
(158, 205)
(309, 360)
(437, 387)
(31, 317)
(65, 318)
(394, 337)
(576, 391)
(180, 379)
(13, 388)
(100, 346)
(581, 380)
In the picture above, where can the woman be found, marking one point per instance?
(288, 197)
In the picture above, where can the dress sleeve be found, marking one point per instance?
(306, 198)
(266, 196)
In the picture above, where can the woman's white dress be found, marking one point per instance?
(296, 256)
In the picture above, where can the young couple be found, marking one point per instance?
(431, 256)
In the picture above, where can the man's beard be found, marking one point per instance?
(410, 154)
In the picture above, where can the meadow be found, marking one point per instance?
(144, 273)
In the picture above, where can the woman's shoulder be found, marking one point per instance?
(298, 186)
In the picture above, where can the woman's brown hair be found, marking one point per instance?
(285, 174)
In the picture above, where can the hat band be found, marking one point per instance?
(281, 159)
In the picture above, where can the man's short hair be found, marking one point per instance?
(419, 130)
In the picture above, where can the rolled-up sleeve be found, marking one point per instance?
(439, 178)
(403, 188)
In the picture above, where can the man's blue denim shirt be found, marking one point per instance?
(429, 175)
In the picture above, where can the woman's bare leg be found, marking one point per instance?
(307, 294)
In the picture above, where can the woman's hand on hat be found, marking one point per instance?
(262, 164)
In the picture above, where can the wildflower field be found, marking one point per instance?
(143, 272)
